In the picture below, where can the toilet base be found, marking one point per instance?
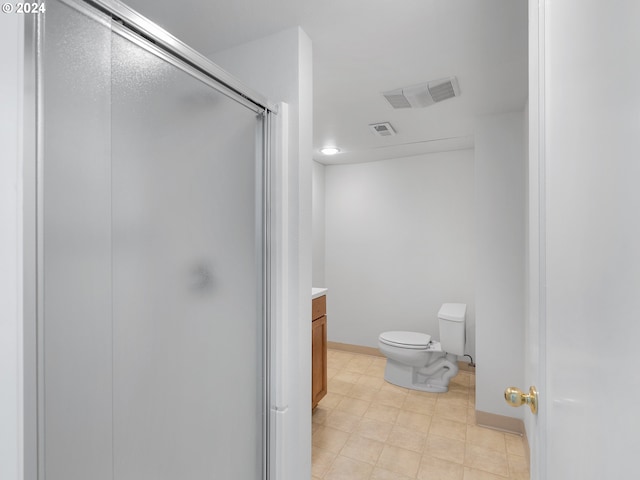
(434, 377)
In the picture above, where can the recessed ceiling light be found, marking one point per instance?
(330, 150)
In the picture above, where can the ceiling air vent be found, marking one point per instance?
(382, 129)
(424, 94)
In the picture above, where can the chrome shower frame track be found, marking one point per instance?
(145, 28)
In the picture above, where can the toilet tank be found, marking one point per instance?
(451, 318)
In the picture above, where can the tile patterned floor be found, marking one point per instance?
(368, 429)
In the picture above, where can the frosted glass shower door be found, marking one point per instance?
(187, 275)
(187, 270)
(151, 262)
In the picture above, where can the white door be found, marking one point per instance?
(585, 275)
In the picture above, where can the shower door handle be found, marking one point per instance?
(201, 278)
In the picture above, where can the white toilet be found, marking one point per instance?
(415, 361)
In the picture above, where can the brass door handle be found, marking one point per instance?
(516, 397)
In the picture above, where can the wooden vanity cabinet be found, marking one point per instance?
(318, 349)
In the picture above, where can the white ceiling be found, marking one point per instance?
(364, 47)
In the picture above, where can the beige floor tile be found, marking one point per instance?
(330, 400)
(399, 460)
(443, 427)
(455, 398)
(375, 370)
(432, 468)
(352, 406)
(382, 413)
(382, 474)
(333, 363)
(340, 356)
(375, 382)
(344, 468)
(421, 394)
(518, 468)
(313, 477)
(321, 461)
(363, 392)
(424, 405)
(486, 437)
(338, 360)
(445, 449)
(362, 448)
(380, 361)
(374, 429)
(485, 459)
(461, 378)
(515, 444)
(319, 414)
(451, 411)
(315, 427)
(342, 421)
(390, 398)
(359, 364)
(330, 439)
(457, 388)
(339, 386)
(386, 386)
(368, 429)
(407, 438)
(473, 474)
(471, 416)
(417, 421)
(346, 376)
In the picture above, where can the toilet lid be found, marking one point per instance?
(406, 339)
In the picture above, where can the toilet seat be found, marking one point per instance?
(410, 340)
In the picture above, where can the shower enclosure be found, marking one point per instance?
(152, 255)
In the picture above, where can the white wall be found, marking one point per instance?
(280, 67)
(400, 243)
(500, 231)
(319, 230)
(11, 55)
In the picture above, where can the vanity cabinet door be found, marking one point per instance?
(318, 360)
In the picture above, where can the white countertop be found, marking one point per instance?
(318, 292)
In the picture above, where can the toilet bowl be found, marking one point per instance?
(417, 362)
